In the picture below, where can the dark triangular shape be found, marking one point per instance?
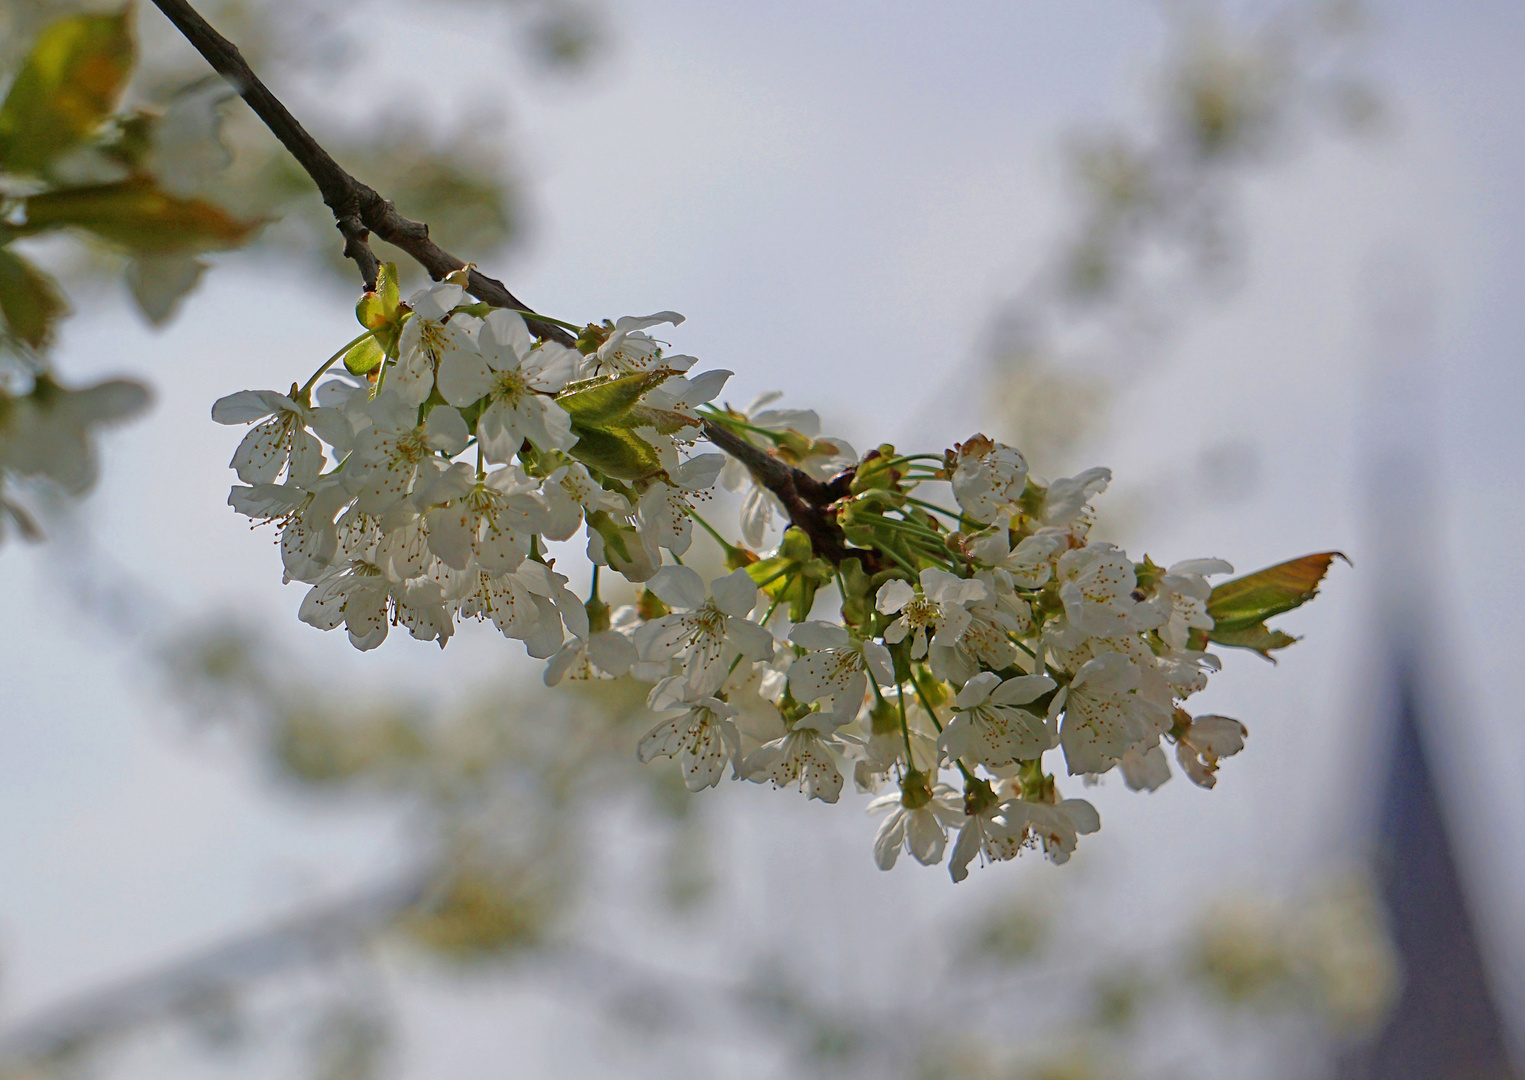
(1445, 1024)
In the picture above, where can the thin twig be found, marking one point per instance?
(358, 210)
(179, 987)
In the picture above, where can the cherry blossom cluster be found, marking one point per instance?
(972, 630)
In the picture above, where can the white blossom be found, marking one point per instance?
(989, 479)
(390, 455)
(1056, 826)
(430, 338)
(985, 833)
(1185, 586)
(278, 441)
(1102, 719)
(1144, 766)
(1066, 505)
(1097, 585)
(707, 633)
(629, 349)
(664, 508)
(838, 667)
(804, 756)
(568, 493)
(489, 523)
(990, 724)
(1029, 564)
(603, 654)
(940, 607)
(987, 640)
(922, 831)
(518, 381)
(1203, 741)
(702, 736)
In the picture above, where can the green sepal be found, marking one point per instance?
(617, 453)
(793, 575)
(875, 473)
(365, 355)
(29, 300)
(381, 310)
(857, 594)
(66, 88)
(1240, 608)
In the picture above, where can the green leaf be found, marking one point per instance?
(138, 215)
(29, 300)
(1241, 607)
(605, 403)
(664, 421)
(66, 88)
(1254, 598)
(1258, 637)
(619, 454)
(365, 355)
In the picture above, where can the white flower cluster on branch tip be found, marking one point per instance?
(968, 637)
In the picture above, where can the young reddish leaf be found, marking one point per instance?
(138, 215)
(1241, 607)
(66, 88)
(1254, 598)
(29, 300)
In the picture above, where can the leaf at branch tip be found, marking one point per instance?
(138, 215)
(29, 300)
(1259, 637)
(1240, 608)
(66, 88)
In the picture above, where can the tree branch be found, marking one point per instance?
(806, 500)
(180, 986)
(358, 210)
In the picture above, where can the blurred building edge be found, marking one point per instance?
(1445, 1024)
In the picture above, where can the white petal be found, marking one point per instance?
(817, 634)
(246, 406)
(445, 430)
(679, 587)
(463, 378)
(894, 595)
(735, 594)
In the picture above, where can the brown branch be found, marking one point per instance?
(806, 500)
(358, 210)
